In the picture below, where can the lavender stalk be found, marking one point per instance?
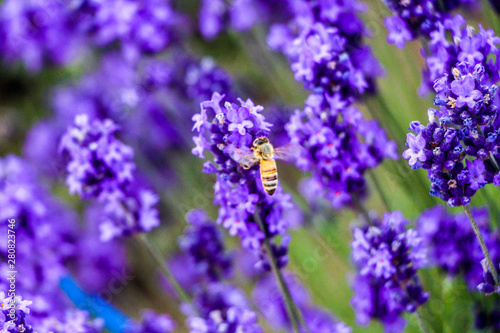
(293, 312)
(479, 237)
(155, 253)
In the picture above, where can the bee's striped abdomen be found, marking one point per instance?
(269, 175)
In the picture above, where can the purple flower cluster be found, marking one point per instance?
(141, 26)
(452, 42)
(100, 166)
(218, 15)
(412, 19)
(234, 320)
(152, 101)
(202, 242)
(452, 245)
(43, 248)
(33, 31)
(218, 305)
(57, 31)
(154, 323)
(340, 145)
(267, 297)
(488, 319)
(228, 132)
(323, 43)
(387, 257)
(73, 321)
(97, 266)
(465, 125)
(17, 309)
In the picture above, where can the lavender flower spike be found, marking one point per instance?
(387, 257)
(416, 151)
(459, 147)
(101, 167)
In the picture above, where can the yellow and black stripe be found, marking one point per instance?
(269, 175)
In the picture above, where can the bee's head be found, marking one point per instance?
(260, 141)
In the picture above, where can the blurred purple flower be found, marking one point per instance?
(387, 257)
(398, 31)
(43, 248)
(101, 167)
(420, 18)
(153, 323)
(202, 242)
(233, 320)
(452, 245)
(339, 146)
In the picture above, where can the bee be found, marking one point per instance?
(264, 153)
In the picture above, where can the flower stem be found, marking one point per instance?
(293, 312)
(383, 197)
(489, 262)
(155, 252)
(360, 208)
(420, 322)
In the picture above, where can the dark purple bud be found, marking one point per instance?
(482, 154)
(454, 202)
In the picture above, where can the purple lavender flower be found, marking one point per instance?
(452, 245)
(42, 248)
(417, 18)
(37, 32)
(228, 131)
(488, 286)
(95, 265)
(486, 318)
(217, 305)
(202, 241)
(101, 167)
(56, 32)
(464, 126)
(205, 77)
(323, 43)
(466, 92)
(232, 321)
(139, 26)
(153, 323)
(339, 147)
(399, 33)
(73, 321)
(216, 16)
(387, 257)
(450, 43)
(20, 309)
(416, 151)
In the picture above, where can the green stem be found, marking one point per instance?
(420, 322)
(361, 209)
(479, 237)
(378, 187)
(155, 252)
(294, 313)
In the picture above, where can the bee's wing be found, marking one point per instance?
(288, 153)
(245, 158)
